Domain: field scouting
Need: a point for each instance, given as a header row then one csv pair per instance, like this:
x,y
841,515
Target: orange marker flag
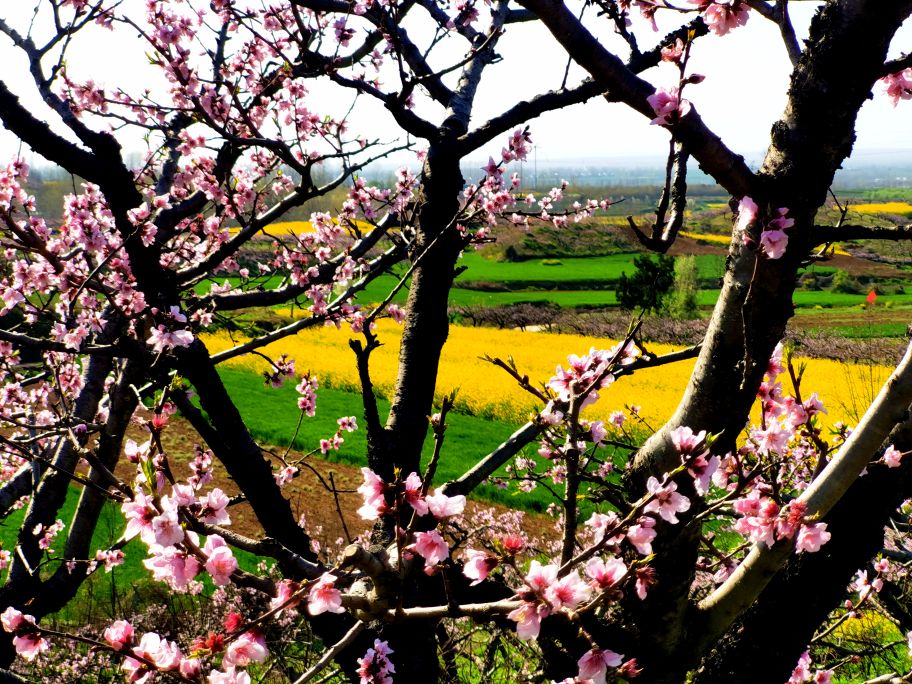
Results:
x,y
871,297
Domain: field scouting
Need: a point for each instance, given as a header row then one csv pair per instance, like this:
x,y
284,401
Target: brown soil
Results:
x,y
852,265
310,496
856,266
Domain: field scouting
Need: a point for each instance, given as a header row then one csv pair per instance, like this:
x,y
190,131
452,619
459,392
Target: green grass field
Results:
x,y
565,270
104,595
272,414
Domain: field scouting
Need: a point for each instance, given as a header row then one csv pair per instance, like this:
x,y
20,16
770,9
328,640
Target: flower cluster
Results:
x,y
376,667
898,86
26,638
773,238
722,16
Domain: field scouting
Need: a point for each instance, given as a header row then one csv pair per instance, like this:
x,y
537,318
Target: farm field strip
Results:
x,y
484,391
594,268
901,208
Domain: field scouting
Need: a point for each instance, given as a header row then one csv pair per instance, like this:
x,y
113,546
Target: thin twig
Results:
x,y
330,654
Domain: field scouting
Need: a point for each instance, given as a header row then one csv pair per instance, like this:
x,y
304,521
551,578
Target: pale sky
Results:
x,y
743,94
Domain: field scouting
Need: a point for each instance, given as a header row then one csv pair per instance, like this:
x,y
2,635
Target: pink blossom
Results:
x,y
892,457
774,368
30,645
668,106
773,243
431,546
413,495
685,441
666,501
172,566
285,598
161,339
540,577
285,475
190,667
139,514
721,16
324,597
249,647
477,565
747,213
348,423
167,528
229,676
307,402
214,508
813,405
119,634
673,53
594,664
372,490
568,591
220,561
376,667
702,470
597,431
812,537
165,654
11,619
513,544
396,313
27,641
773,439
641,535
898,86
802,671
442,506
528,619
605,574
602,523
111,559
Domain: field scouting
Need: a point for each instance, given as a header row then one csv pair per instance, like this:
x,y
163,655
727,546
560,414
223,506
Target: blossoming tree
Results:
x,y
710,552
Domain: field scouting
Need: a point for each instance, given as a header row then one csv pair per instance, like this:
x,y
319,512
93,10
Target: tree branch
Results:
x,y
715,158
525,110
742,587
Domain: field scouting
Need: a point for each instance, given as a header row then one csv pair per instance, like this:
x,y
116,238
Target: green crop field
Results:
x,y
272,414
597,268
103,594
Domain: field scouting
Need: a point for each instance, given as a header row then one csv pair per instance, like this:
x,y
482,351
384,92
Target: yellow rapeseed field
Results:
x,y
296,227
725,240
883,208
485,390
708,237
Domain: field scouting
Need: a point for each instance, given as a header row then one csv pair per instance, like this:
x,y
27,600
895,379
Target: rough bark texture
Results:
x,y
61,587
426,325
843,58
810,585
23,584
242,457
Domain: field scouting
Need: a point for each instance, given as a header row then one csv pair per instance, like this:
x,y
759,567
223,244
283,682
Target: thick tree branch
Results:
x,y
896,65
38,135
229,439
490,463
715,158
743,586
526,110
